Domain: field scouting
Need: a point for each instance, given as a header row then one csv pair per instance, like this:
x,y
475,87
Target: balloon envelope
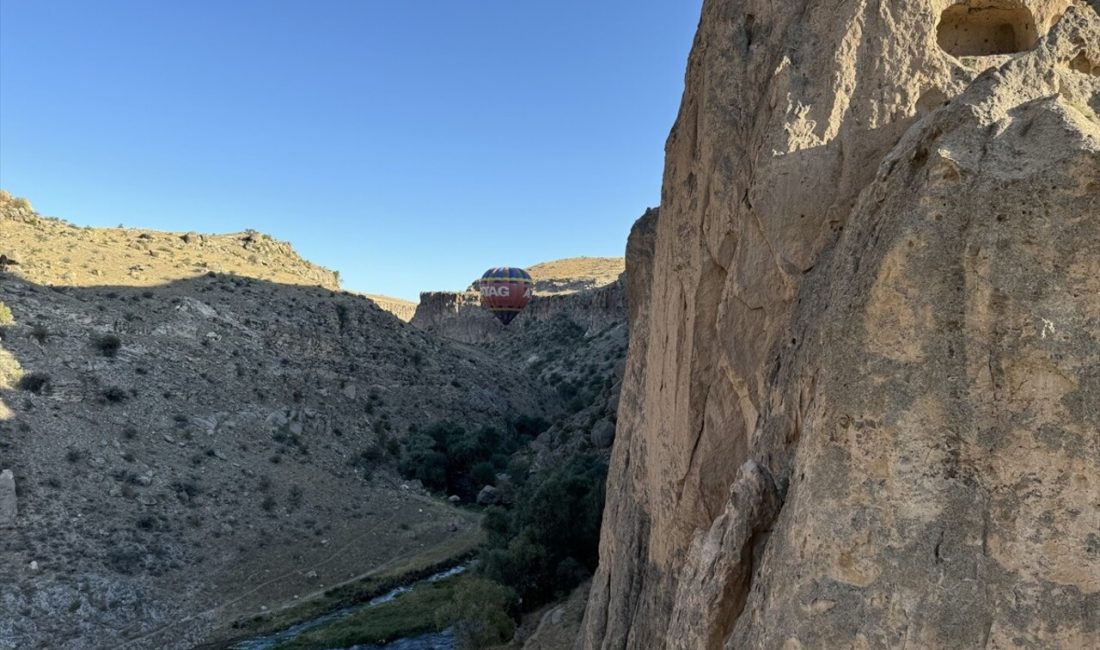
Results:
x,y
505,291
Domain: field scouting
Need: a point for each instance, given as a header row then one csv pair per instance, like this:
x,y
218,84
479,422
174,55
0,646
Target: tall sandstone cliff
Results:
x,y
860,406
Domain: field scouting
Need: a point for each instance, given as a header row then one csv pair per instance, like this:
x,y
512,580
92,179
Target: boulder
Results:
x,y
603,434
488,496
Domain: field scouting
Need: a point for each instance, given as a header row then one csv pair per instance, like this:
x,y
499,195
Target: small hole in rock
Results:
x,y
1081,63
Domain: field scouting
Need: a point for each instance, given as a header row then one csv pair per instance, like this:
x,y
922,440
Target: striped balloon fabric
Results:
x,y
505,291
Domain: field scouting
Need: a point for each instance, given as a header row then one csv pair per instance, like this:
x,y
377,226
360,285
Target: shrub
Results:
x,y
35,382
482,610
187,490
107,344
113,395
40,333
295,497
126,560
6,317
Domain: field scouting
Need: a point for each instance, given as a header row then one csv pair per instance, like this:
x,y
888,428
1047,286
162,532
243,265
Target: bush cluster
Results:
x,y
447,458
35,382
107,344
549,542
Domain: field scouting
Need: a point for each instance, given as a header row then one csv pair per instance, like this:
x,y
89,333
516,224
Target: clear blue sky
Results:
x,y
409,144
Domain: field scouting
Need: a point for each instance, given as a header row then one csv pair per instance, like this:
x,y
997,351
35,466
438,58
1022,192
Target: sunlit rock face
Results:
x,y
860,404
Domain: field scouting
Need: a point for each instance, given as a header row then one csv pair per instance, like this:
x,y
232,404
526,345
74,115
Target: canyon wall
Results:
x,y
860,402
583,290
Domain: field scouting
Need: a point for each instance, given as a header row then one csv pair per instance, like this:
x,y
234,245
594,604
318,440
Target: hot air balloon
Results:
x,y
505,291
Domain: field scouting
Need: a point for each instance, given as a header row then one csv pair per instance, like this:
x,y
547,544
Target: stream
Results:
x,y
437,641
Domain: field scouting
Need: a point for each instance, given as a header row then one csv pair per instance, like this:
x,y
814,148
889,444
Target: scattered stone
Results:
x,y
454,498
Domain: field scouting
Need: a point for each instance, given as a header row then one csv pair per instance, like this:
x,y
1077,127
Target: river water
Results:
x,y
438,641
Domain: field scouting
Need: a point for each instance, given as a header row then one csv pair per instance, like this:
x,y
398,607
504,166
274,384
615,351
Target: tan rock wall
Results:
x,y
758,320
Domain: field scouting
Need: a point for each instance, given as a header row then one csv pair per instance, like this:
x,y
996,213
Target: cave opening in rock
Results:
x,y
988,28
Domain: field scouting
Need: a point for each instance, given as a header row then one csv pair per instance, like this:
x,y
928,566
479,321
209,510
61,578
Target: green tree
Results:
x,y
481,612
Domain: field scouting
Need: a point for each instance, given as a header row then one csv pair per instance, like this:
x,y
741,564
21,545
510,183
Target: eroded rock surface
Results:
x,y
877,277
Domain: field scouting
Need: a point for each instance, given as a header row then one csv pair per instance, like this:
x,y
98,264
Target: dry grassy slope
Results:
x,y
211,465
575,274
54,252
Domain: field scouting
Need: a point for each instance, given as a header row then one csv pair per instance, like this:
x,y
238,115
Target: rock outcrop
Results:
x,y
455,314
589,291
860,402
403,309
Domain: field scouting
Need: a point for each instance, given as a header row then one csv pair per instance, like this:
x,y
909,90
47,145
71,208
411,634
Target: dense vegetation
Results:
x,y
448,459
547,543
543,540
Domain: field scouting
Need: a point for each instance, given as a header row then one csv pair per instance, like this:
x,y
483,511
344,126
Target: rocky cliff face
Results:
x,y
460,316
455,314
860,403
589,291
403,309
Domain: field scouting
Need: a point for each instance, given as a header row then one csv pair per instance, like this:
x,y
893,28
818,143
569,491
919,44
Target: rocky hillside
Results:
x,y
50,251
188,454
575,274
860,405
